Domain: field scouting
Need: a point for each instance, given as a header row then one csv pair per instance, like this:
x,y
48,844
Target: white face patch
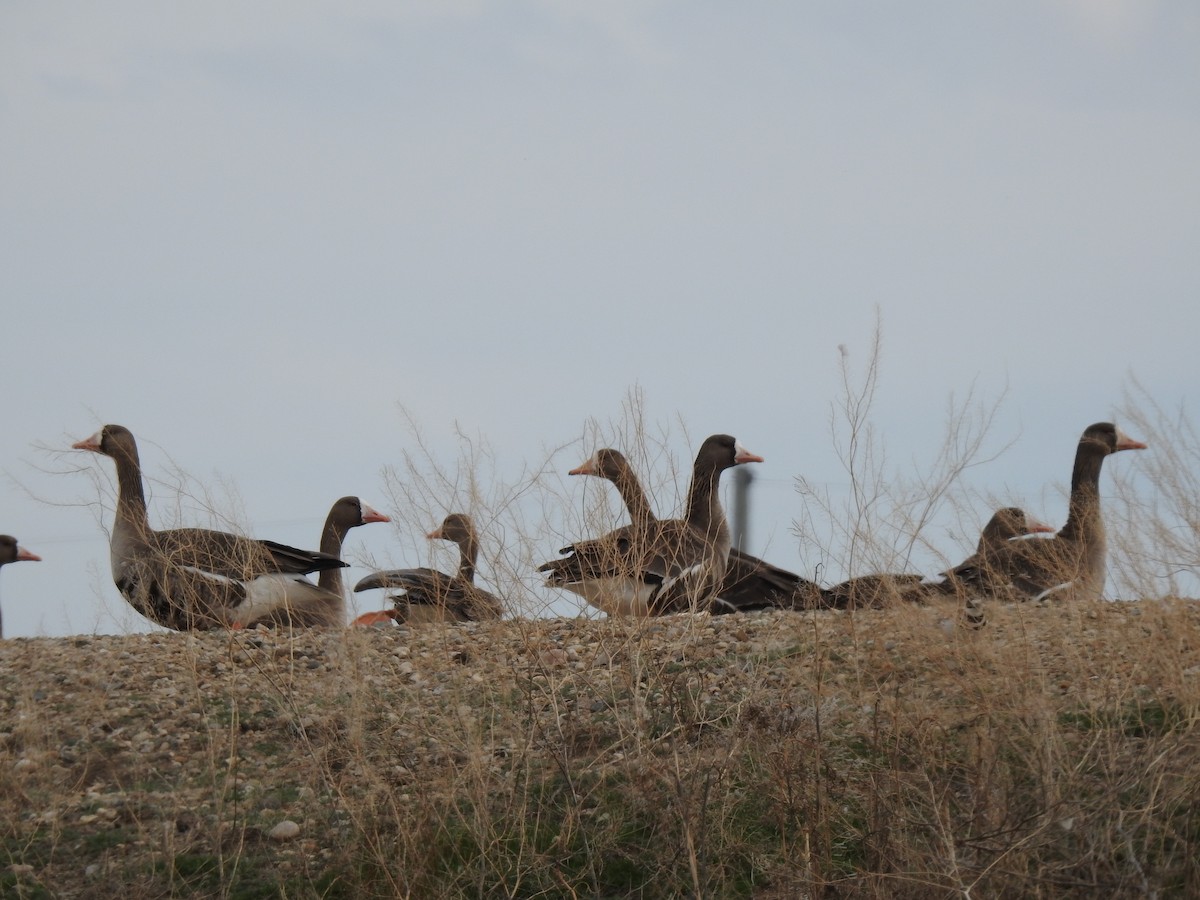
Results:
x,y
742,455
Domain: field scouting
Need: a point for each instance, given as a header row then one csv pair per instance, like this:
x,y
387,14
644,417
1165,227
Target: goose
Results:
x,y
1005,524
1072,562
328,607
196,578
875,591
10,552
749,583
668,565
430,595
883,590
975,574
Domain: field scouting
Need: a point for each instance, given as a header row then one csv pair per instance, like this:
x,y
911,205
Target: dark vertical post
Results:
x,y
740,526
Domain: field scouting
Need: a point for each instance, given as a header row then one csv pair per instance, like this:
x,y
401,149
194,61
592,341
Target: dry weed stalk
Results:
x,y
881,519
424,488
1155,521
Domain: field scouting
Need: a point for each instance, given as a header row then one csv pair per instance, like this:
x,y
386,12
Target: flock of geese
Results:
x,y
197,578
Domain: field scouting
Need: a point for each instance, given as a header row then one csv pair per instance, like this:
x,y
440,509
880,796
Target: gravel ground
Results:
x,y
120,754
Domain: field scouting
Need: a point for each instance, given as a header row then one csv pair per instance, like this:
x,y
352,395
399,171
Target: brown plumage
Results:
x,y
874,591
346,513
430,595
1005,524
196,578
976,574
749,583
1072,563
662,566
881,590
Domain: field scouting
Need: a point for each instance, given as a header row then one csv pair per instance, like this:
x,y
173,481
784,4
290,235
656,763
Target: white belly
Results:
x,y
616,596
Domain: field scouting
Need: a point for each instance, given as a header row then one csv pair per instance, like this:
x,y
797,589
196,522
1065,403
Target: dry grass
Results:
x,y
878,519
775,755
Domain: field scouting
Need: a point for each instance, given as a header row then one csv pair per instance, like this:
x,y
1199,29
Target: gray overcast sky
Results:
x,y
267,237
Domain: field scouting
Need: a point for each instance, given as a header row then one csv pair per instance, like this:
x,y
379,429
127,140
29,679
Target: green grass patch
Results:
x,y
1136,720
22,888
99,841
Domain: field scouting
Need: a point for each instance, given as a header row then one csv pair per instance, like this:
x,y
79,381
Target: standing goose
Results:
x,y
612,465
671,565
328,607
10,552
429,595
195,578
749,583
1073,561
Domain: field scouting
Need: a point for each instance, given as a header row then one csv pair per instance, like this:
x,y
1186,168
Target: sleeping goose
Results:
x,y
749,583
10,552
1072,562
429,595
328,607
670,565
195,578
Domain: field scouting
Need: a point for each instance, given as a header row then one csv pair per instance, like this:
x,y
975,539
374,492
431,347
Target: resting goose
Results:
x,y
883,590
976,575
429,595
10,552
1005,524
1072,562
749,583
195,578
669,566
875,591
327,604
